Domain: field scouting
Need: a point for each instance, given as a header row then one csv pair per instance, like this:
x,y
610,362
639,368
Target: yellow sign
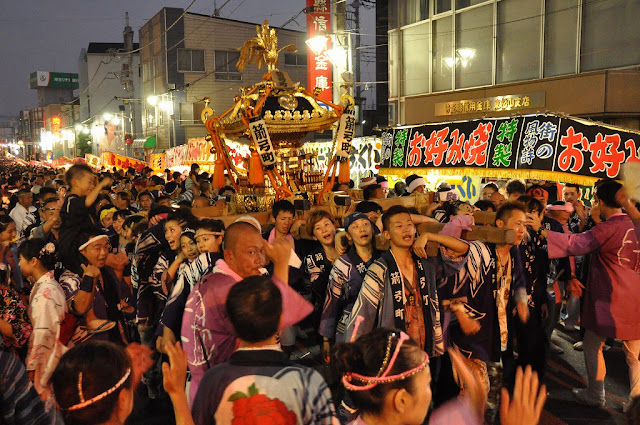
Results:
x,y
157,161
92,160
491,104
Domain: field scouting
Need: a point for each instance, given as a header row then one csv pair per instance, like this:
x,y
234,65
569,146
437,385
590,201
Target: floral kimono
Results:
x,y
263,386
47,309
14,311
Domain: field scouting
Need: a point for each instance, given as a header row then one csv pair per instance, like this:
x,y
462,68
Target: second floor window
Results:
x,y
295,59
226,65
190,60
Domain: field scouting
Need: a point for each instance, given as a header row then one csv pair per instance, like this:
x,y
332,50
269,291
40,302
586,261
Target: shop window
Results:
x,y
610,34
414,11
474,47
560,37
443,59
415,60
518,55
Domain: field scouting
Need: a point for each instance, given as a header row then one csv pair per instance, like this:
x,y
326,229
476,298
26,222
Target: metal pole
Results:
x,y
173,120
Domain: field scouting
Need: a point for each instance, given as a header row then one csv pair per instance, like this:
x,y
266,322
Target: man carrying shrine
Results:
x,y
494,283
399,289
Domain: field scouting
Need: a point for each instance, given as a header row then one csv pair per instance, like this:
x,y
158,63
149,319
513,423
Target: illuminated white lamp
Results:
x,y
317,44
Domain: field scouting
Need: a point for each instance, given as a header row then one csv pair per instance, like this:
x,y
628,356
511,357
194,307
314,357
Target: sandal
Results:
x,y
99,326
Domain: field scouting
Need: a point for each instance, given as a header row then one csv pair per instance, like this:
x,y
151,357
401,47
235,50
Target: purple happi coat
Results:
x,y
207,334
612,293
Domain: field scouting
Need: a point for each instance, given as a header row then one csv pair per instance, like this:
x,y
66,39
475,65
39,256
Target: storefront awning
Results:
x,y
150,143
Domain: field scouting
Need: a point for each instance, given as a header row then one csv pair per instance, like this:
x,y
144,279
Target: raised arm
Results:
x,y
93,195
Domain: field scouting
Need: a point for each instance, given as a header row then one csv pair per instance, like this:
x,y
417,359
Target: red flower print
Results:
x,y
254,409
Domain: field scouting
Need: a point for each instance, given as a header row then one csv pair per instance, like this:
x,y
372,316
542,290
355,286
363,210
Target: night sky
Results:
x,y
45,35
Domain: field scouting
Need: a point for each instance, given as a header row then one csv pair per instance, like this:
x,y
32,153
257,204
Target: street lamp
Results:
x,y
166,106
337,56
152,100
317,44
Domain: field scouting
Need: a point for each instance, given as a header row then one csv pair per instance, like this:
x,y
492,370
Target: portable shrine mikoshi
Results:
x,y
274,115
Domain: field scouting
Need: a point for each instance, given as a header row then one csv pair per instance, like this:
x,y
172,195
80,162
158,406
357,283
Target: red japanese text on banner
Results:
x,y
319,70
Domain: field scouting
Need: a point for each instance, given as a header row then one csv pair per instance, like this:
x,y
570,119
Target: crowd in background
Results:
x,y
118,295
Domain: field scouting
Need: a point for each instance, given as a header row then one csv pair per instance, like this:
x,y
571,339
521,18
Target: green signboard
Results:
x,y
53,79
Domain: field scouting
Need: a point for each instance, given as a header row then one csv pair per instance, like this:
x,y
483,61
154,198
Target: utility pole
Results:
x,y
127,79
357,79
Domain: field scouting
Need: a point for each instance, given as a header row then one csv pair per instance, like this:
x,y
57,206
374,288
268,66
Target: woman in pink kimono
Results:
x,y
47,309
612,293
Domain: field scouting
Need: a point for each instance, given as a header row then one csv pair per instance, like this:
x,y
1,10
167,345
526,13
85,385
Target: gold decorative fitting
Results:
x,y
262,49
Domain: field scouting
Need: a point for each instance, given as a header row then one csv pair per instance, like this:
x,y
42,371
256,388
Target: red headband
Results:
x,y
538,193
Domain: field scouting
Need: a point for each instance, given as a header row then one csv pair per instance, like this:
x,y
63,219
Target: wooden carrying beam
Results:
x,y
478,233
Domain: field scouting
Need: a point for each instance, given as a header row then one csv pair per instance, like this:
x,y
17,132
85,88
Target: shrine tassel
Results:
x,y
218,174
256,173
344,175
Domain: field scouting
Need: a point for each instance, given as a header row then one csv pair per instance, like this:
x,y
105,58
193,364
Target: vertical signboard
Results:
x,y
319,70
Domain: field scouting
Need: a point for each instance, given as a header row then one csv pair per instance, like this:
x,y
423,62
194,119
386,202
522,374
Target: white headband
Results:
x,y
92,240
250,220
414,184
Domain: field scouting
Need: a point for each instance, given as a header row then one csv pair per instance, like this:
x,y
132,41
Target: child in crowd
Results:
x,y
208,237
76,213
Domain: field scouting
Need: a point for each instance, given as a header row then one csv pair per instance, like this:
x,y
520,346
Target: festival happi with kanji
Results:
x,y
252,251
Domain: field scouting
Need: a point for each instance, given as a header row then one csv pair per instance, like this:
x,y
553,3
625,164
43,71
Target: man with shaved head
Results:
x,y
208,336
201,201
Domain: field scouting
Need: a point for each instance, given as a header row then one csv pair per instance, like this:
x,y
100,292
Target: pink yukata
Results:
x,y
611,294
207,334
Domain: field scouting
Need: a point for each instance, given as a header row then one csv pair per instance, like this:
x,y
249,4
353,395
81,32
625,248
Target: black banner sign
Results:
x,y
533,142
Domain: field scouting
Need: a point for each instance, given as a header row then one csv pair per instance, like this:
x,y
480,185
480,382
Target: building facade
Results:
x,y
186,57
104,99
465,59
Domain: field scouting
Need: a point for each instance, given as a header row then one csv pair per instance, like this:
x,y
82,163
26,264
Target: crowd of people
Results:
x,y
118,295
